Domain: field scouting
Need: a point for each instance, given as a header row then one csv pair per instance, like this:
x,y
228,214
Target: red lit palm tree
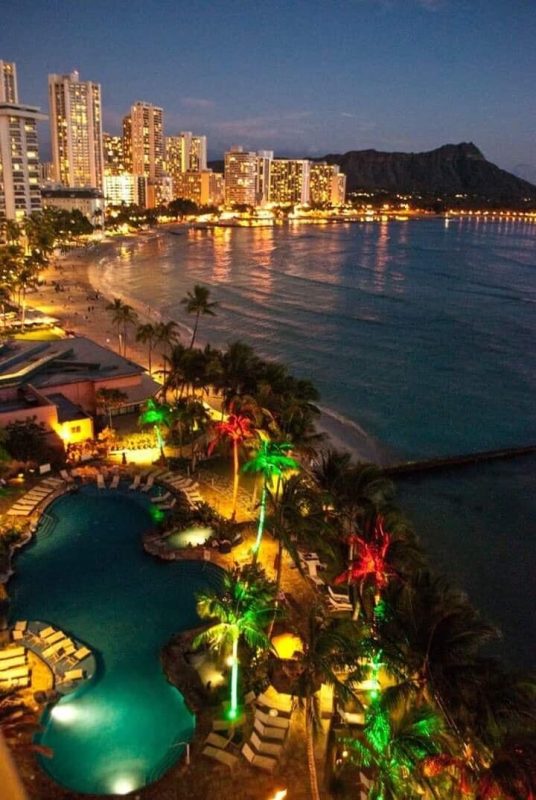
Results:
x,y
236,429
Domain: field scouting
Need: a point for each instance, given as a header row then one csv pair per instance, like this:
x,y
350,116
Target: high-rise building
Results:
x,y
19,155
76,130
185,153
328,185
114,159
198,153
204,188
240,177
125,189
289,181
144,146
264,163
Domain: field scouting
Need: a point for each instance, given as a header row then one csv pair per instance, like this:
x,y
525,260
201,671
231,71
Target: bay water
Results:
x,y
420,337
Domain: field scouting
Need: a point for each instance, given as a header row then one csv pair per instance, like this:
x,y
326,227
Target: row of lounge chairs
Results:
x,y
60,652
27,504
14,669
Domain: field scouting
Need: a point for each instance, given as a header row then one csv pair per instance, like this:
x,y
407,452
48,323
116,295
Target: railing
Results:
x,y
170,758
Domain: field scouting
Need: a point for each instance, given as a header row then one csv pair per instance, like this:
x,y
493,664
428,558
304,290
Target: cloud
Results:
x,y
198,103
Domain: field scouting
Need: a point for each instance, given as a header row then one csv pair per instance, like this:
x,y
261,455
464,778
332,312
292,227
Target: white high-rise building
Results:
x,y
76,130
19,155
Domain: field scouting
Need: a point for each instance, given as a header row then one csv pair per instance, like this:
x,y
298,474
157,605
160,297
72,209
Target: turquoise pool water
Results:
x,y
87,573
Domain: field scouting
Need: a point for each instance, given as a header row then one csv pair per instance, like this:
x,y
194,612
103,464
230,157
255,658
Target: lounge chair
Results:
x,y
17,635
54,637
74,675
149,484
168,506
215,740
338,597
265,748
15,672
161,498
21,625
65,475
115,482
135,483
351,717
81,653
16,683
100,481
12,663
275,722
269,733
220,755
46,633
11,652
262,762
282,703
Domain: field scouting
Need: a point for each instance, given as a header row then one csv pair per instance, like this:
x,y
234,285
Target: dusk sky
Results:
x,y
301,77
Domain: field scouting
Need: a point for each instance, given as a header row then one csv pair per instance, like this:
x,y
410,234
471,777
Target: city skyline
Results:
x,y
303,79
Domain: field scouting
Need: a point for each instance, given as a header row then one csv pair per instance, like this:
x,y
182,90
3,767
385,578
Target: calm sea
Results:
x,y
420,337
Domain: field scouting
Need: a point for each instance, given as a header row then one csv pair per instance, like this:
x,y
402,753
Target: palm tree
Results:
x,y
108,399
271,460
395,747
329,646
242,610
237,429
147,334
123,315
159,416
167,335
197,302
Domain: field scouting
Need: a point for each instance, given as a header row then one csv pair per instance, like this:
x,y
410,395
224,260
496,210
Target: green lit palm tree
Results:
x,y
242,609
123,315
271,461
396,748
197,302
159,416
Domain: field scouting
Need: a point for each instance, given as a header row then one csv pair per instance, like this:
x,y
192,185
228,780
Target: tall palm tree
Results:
x,y
242,610
395,747
271,460
147,334
237,429
197,302
159,416
330,645
108,400
123,315
167,336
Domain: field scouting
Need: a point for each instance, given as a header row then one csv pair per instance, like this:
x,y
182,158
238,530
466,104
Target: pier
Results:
x,y
449,462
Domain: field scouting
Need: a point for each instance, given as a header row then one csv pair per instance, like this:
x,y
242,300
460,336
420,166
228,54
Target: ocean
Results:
x,y
420,337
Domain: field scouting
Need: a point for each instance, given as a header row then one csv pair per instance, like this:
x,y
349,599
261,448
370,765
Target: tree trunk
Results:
x,y
260,527
195,331
234,680
311,763
235,478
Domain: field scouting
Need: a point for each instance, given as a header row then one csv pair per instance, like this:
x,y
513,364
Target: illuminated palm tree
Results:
x,y
237,429
197,303
396,747
160,416
271,461
123,315
243,609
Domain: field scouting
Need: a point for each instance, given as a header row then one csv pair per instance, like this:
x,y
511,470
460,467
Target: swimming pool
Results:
x,y
86,572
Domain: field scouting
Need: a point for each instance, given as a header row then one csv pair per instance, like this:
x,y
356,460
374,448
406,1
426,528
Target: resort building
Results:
x,y
57,383
184,153
125,189
76,130
19,155
89,201
290,181
240,177
143,142
114,155
328,184
204,188
264,164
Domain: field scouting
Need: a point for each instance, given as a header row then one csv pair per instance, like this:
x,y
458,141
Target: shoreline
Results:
x,y
81,308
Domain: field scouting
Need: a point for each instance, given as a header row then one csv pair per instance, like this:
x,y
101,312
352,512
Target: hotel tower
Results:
x,y
76,130
19,157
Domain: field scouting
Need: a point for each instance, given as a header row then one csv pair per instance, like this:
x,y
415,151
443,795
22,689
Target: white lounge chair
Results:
x,y
265,748
269,733
168,506
276,722
21,625
11,663
282,703
220,755
81,653
46,633
135,483
11,652
74,675
115,482
215,740
161,498
262,762
100,481
149,484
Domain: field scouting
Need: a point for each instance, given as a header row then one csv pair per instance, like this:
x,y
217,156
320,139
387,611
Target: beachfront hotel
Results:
x,y
240,176
327,184
19,154
143,142
76,130
289,181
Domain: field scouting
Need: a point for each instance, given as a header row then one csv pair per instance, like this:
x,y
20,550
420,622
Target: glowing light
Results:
x,y
64,713
229,661
123,786
279,795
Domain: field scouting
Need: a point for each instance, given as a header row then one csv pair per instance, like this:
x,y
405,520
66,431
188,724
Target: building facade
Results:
x,y
264,165
328,185
143,142
290,181
240,177
76,131
204,188
114,157
89,201
125,189
19,154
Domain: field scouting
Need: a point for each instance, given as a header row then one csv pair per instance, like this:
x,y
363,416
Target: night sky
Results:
x,y
301,77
